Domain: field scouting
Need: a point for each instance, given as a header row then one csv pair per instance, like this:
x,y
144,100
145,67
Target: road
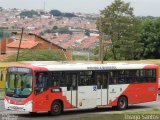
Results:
x,y
67,115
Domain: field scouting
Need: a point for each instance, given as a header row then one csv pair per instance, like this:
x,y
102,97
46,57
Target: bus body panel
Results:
x,y
114,92
87,96
138,93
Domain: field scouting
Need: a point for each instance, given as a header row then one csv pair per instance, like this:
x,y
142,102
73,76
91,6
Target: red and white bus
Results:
x,y
59,87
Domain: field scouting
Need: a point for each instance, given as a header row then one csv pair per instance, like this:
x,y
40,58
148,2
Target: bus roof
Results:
x,y
81,66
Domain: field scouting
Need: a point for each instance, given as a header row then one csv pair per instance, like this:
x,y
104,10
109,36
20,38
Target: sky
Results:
x,y
141,7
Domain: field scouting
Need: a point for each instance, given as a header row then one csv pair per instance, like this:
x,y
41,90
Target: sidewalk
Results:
x,y
1,94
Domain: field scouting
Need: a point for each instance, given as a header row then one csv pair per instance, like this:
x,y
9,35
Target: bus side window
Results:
x,y
58,79
150,75
153,79
121,77
86,78
112,77
133,76
41,83
142,78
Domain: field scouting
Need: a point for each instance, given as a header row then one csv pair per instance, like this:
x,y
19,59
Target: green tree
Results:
x,y
1,9
87,32
54,28
38,55
69,15
29,14
150,36
119,23
63,30
56,13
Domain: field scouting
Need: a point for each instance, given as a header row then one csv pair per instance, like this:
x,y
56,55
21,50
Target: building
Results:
x,y
32,41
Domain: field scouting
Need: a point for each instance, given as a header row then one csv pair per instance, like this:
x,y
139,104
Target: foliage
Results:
x,y
148,17
55,29
69,15
1,9
85,57
56,13
150,36
80,57
38,55
59,13
29,14
95,50
87,32
63,30
119,23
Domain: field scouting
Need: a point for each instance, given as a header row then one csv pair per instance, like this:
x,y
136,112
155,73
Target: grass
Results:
x,y
138,115
1,94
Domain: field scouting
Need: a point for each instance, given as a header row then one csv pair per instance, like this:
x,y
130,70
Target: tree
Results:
x,y
54,28
1,9
69,15
56,13
63,30
119,23
150,36
87,32
29,14
59,13
38,55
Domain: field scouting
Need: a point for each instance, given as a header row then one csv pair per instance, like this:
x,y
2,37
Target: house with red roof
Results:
x,y
32,41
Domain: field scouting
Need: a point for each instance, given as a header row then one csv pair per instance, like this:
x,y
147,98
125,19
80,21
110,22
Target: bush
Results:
x,y
38,55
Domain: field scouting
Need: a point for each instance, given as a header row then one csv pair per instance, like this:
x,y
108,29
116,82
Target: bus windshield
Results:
x,y
19,82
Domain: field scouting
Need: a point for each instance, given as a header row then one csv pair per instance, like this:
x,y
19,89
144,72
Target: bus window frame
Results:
x,y
35,80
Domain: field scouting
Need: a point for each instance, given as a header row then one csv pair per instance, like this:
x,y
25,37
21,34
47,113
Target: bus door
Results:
x,y
102,88
72,88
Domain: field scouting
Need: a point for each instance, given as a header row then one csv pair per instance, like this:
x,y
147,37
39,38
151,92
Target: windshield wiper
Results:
x,y
15,95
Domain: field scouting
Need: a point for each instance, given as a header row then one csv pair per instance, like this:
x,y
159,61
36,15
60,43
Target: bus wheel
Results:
x,y
56,108
122,103
32,113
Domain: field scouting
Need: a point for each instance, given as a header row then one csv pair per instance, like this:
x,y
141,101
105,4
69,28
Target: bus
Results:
x,y
55,88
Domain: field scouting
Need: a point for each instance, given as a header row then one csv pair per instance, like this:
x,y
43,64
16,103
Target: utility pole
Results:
x,y
101,46
19,45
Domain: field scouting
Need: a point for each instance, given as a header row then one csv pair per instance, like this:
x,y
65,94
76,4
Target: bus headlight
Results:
x,y
29,102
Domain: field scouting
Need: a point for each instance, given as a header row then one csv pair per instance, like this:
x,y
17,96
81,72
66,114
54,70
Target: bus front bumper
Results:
x,y
26,107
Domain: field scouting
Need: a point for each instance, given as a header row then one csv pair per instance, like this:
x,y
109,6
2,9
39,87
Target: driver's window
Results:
x,y
41,83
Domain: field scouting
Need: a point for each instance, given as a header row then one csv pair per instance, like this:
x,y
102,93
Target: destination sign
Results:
x,y
23,70
102,68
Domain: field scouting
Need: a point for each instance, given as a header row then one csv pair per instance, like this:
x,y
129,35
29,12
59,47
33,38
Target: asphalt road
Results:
x,y
67,115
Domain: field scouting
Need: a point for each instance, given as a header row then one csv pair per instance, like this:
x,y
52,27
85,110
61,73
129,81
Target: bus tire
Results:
x,y
114,107
56,108
122,103
32,113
